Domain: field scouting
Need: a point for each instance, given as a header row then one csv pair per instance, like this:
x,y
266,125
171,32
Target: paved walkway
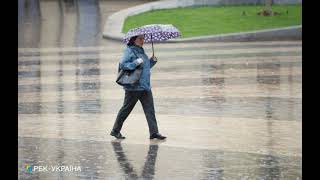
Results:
x,y
230,110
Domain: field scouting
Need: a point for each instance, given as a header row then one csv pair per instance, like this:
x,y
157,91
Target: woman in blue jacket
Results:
x,y
133,57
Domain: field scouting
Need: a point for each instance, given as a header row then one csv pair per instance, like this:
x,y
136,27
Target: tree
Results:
x,y
267,11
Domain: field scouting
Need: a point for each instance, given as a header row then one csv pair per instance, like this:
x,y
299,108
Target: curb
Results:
x,y
114,23
287,33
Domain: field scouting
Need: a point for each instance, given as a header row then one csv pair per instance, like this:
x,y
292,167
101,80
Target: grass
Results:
x,y
211,20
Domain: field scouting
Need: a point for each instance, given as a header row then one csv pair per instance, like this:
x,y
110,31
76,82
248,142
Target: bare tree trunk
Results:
x,y
268,5
267,10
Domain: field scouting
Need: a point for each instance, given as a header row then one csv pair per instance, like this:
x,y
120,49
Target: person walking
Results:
x,y
134,56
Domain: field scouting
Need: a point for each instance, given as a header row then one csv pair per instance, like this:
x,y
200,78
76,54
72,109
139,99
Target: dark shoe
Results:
x,y
117,135
158,136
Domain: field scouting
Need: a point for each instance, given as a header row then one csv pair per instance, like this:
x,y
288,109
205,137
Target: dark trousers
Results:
x,y
130,99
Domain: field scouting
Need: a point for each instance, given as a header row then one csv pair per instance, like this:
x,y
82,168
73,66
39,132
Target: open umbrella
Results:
x,y
153,33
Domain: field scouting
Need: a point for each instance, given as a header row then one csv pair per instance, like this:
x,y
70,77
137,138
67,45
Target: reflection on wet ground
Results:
x,y
64,23
219,82
93,69
230,110
242,107
118,160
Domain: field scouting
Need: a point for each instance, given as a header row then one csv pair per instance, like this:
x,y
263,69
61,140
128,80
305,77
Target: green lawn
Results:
x,y
210,20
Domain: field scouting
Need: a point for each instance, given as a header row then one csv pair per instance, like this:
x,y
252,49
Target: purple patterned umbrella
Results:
x,y
153,33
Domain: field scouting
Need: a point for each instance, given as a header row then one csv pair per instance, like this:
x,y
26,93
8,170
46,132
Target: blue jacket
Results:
x,y
128,62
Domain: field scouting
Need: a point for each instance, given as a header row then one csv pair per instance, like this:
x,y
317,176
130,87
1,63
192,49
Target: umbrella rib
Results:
x,y
152,46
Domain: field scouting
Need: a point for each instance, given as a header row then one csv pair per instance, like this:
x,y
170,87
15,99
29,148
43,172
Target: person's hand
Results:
x,y
139,61
154,58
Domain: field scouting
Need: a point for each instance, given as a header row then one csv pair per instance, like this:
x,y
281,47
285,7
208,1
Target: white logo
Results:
x,y
56,168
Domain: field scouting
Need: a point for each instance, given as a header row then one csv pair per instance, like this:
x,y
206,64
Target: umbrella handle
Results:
x,y
152,46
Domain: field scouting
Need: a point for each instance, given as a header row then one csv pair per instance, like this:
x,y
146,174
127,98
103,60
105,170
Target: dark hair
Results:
x,y
131,41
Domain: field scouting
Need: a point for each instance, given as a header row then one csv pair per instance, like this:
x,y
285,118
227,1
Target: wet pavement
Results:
x,y
230,110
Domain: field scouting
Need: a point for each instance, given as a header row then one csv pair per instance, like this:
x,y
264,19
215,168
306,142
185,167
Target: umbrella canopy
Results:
x,y
153,33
